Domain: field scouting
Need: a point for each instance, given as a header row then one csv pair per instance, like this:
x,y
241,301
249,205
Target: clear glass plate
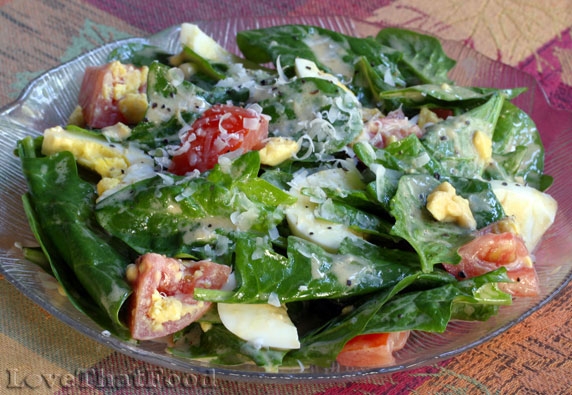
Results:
x,y
49,99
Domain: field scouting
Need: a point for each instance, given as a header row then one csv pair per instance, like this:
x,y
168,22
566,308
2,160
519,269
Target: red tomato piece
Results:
x,y
220,129
490,251
162,302
106,90
442,113
373,350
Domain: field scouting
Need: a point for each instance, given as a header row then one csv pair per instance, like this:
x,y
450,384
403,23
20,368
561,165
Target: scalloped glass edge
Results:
x,y
21,117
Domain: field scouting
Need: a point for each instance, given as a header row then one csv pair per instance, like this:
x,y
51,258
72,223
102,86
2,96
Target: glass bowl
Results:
x,y
49,99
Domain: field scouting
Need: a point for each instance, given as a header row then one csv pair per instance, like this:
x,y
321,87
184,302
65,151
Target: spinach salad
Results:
x,y
314,200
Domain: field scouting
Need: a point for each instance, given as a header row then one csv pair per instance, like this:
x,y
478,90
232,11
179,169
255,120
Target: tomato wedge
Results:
x,y
372,350
112,93
162,302
221,129
491,251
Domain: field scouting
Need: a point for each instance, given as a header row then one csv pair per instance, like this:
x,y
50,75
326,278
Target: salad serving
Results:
x,y
314,210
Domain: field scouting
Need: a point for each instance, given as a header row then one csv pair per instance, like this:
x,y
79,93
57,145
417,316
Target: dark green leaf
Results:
x,y
138,54
423,60
451,141
438,242
63,214
310,272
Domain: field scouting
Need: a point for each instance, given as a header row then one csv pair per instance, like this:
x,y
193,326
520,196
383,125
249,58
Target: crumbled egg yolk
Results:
x,y
133,107
446,206
76,117
168,308
125,92
427,116
98,156
483,144
277,150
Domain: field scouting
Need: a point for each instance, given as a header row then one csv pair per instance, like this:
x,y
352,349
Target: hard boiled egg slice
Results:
x,y
194,38
533,210
263,325
301,218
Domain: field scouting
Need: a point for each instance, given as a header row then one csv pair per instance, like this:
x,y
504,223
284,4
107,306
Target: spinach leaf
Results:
x,y
331,51
322,346
138,54
310,272
446,96
315,108
423,60
431,310
203,65
368,85
171,215
517,149
150,135
60,208
406,156
438,242
451,141
222,347
357,198
167,96
354,218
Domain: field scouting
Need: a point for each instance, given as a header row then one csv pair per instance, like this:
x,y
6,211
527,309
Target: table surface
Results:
x,y
40,353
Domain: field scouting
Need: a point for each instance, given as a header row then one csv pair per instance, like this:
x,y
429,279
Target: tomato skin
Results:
x,y
488,252
171,278
372,350
99,103
443,113
207,142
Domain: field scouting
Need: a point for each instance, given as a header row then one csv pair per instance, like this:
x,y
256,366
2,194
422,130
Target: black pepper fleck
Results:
x,y
518,279
311,233
172,94
308,68
165,141
443,138
349,282
437,176
462,275
504,184
467,122
162,106
154,105
210,225
329,227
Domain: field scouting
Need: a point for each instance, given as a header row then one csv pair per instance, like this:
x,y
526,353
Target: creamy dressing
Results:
x,y
204,232
330,53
